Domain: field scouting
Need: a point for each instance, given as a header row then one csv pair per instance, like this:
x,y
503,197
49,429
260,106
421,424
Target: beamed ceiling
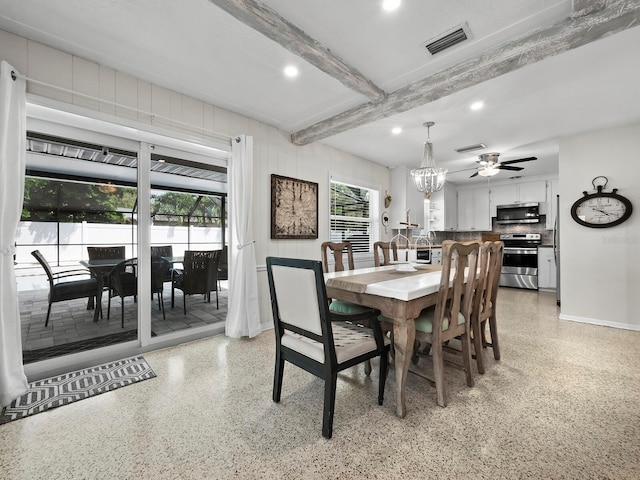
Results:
x,y
544,69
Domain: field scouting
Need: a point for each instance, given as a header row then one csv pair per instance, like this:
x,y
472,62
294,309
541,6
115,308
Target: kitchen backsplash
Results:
x,y
547,235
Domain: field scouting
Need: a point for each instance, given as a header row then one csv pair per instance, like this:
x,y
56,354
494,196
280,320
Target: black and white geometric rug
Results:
x,y
64,389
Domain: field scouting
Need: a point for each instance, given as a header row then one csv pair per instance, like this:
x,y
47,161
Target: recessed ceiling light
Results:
x,y
396,130
291,71
390,5
477,105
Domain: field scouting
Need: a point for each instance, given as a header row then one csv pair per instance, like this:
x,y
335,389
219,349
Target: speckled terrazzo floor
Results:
x,y
563,403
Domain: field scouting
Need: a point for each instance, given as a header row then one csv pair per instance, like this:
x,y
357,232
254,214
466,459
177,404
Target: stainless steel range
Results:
x,y
520,260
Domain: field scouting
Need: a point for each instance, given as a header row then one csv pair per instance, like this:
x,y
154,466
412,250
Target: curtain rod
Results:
x,y
15,75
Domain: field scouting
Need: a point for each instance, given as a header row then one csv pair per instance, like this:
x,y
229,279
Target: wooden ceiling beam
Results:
x,y
267,21
591,20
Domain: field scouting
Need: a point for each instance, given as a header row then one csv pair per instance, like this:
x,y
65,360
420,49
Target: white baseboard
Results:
x,y
596,321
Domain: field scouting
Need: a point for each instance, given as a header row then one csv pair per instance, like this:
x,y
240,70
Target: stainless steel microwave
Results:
x,y
518,213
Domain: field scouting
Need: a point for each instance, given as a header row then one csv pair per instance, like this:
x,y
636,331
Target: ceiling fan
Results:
x,y
490,166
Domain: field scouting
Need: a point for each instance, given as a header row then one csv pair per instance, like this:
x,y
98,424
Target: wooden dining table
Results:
x,y
400,295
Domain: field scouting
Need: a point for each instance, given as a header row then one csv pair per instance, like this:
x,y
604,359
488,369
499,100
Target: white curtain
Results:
x,y
243,318
13,381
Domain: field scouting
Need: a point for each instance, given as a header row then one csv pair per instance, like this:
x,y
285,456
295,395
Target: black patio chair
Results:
x,y
165,251
124,282
106,253
223,267
159,266
67,290
200,275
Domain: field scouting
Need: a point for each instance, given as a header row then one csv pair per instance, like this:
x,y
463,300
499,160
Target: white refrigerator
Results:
x,y
556,248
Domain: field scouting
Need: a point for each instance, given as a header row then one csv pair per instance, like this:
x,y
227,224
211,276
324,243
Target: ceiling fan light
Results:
x,y
488,172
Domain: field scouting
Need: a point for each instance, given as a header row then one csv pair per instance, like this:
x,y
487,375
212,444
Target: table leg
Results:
x,y
98,306
404,335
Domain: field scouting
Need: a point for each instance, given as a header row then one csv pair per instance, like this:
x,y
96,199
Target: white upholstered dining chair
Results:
x,y
308,336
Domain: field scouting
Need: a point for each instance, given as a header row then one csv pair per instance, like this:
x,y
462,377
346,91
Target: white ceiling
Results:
x,y
194,47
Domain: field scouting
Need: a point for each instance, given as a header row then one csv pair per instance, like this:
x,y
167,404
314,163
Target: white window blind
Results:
x,y
354,214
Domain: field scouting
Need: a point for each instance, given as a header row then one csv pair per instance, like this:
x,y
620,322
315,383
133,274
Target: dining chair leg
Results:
x,y
477,344
172,295
122,311
466,358
184,302
383,376
329,404
277,377
438,373
493,327
109,306
217,301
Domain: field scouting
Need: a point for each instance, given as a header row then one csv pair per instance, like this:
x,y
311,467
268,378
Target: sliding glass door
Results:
x,y
124,215
188,231
79,220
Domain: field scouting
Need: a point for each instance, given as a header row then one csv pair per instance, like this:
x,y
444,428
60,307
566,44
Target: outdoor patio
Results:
x,y
71,327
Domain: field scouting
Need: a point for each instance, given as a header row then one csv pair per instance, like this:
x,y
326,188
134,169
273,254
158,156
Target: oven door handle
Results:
x,y
520,251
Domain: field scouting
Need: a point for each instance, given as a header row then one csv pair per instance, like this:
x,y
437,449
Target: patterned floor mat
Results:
x,y
64,389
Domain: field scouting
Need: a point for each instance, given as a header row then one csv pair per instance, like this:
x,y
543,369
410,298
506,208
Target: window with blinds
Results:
x,y
354,213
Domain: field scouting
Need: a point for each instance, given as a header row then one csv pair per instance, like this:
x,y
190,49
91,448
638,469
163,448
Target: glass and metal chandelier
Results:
x,y
428,178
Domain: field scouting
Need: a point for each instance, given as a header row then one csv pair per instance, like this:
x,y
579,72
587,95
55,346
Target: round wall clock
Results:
x,y
385,219
601,209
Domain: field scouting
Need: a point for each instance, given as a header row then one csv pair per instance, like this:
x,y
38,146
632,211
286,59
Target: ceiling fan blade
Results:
x,y
507,167
463,170
528,159
474,175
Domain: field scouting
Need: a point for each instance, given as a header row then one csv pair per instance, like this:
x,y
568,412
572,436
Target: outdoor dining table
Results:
x,y
98,269
173,260
400,295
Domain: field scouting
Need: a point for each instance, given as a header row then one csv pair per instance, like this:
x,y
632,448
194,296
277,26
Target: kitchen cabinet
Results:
x,y
473,209
546,269
405,197
552,204
532,192
524,192
443,209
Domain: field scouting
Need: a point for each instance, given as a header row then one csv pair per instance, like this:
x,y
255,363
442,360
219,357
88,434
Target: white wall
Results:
x,y
600,267
273,152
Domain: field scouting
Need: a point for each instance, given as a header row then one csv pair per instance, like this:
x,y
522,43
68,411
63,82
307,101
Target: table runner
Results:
x,y
358,283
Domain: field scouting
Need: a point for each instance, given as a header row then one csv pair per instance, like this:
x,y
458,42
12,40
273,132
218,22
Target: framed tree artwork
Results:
x,y
294,208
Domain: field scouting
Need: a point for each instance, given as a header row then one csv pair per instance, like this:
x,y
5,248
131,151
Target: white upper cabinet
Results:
x,y
503,195
405,197
444,209
532,192
524,192
473,209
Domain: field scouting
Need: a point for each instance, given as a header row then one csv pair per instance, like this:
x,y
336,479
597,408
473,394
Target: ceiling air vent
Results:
x,y
471,148
449,39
